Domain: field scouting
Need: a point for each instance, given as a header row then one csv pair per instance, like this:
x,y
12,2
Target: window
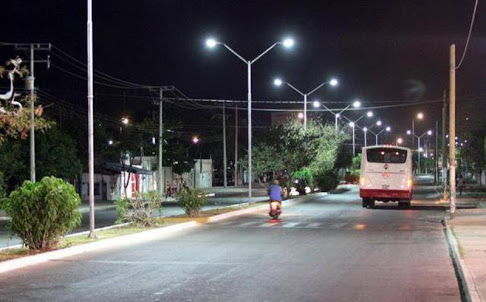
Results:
x,y
386,155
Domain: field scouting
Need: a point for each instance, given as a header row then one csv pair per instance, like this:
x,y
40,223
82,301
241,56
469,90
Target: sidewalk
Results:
x,y
469,230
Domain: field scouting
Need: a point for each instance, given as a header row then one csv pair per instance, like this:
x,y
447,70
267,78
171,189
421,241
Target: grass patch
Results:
x,y
66,242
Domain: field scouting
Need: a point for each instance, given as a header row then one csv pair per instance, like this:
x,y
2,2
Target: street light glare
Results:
x,y
288,43
351,124
378,123
316,104
365,129
125,120
369,114
211,43
409,132
388,129
399,141
420,115
429,132
357,104
300,115
195,139
333,82
277,82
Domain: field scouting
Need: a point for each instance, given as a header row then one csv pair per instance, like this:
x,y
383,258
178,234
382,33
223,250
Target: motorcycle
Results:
x,y
275,209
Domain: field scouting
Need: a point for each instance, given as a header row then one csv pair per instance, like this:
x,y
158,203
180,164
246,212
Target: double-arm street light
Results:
x,y
355,104
279,82
377,134
419,137
353,125
287,43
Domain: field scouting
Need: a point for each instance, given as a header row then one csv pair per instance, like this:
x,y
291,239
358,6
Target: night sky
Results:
x,y
383,52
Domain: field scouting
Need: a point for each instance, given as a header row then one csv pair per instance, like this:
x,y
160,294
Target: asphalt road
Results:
x,y
326,249
106,214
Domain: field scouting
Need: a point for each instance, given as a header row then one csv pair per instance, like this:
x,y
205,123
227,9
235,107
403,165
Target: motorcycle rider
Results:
x,y
275,191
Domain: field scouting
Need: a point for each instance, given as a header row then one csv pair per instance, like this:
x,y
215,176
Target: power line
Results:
x,y
469,34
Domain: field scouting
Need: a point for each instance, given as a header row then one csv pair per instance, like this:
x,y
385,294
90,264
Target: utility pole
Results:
x,y
225,170
160,168
436,153
90,121
236,145
32,47
444,146
452,129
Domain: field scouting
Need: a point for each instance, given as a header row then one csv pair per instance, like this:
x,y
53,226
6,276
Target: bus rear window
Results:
x,y
386,155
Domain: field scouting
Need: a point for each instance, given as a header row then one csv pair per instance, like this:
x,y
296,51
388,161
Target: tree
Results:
x,y
57,155
472,153
15,110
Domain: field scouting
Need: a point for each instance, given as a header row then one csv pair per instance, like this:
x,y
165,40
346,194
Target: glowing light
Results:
x,y
369,114
316,104
356,104
365,129
351,124
277,82
195,139
211,43
300,115
409,132
379,123
110,142
429,132
420,115
288,42
388,129
333,82
360,226
125,120
399,140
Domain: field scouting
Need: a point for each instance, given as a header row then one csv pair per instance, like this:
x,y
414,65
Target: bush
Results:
x,y
305,178
327,180
42,212
192,201
140,209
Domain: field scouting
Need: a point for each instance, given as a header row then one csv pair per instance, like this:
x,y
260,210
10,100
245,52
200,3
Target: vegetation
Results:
x,y
41,213
192,201
139,210
292,153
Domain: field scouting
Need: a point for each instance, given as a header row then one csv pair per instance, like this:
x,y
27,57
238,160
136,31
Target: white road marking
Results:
x,y
290,224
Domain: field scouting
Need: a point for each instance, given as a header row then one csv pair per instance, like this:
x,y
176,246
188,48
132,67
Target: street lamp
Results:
x,y
212,43
353,123
365,130
300,115
125,120
355,104
195,140
387,129
399,141
419,116
429,133
279,82
316,104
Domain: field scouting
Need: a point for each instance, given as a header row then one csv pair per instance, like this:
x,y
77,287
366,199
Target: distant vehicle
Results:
x,y
386,175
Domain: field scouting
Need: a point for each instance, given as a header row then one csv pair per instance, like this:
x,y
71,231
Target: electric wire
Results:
x,y
469,34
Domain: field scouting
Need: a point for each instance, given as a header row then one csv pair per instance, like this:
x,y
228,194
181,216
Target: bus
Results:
x,y
386,175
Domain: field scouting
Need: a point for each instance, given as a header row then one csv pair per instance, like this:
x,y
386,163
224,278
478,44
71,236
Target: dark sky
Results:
x,y
381,51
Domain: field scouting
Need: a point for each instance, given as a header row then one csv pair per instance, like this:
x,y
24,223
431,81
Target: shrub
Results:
x,y
42,212
140,209
305,178
192,201
327,180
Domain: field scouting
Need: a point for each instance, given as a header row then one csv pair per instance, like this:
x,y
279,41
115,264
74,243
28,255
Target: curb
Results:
x,y
464,276
120,241
145,236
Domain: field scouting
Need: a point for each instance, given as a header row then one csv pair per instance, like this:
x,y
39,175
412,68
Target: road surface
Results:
x,y
326,249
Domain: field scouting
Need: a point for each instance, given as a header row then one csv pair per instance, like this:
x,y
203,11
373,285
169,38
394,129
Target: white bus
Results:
x,y
386,175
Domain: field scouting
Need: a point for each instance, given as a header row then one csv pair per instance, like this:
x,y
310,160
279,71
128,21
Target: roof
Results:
x,y
118,167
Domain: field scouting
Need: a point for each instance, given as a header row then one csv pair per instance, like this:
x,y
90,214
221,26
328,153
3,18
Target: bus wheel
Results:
x,y
364,202
371,203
